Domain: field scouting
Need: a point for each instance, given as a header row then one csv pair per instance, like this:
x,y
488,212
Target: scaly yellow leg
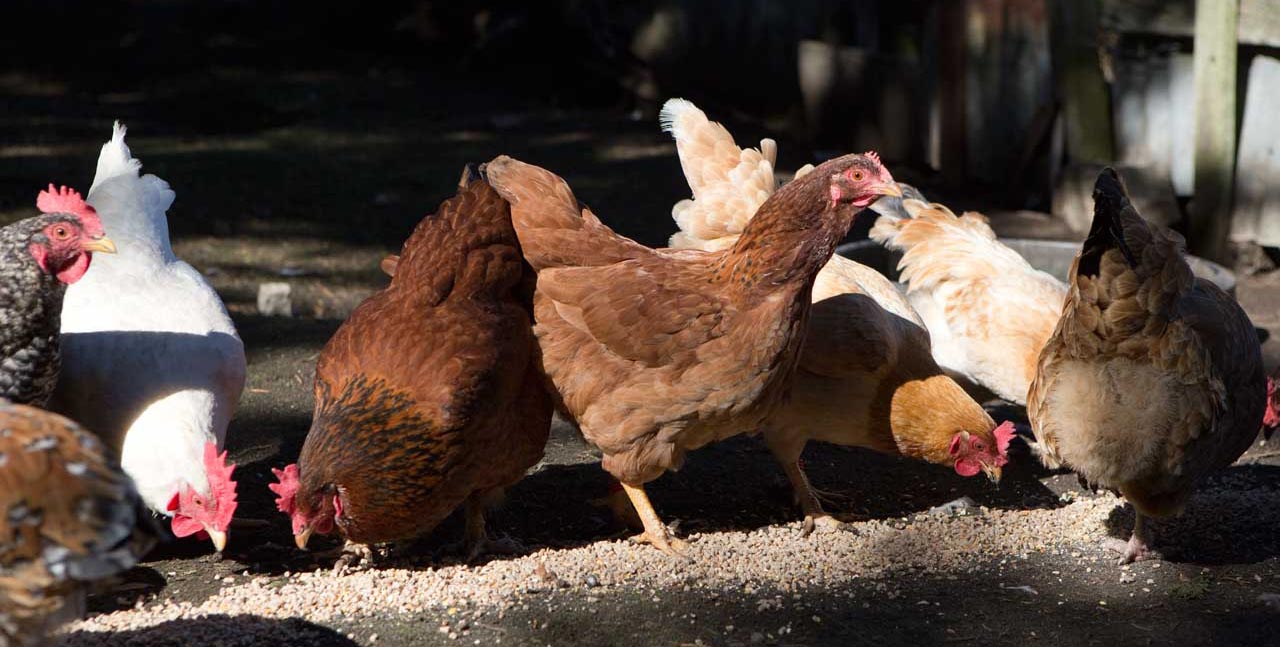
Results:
x,y
655,532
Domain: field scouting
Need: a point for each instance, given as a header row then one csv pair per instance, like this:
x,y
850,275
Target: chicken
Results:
x,y
866,377
729,185
72,517
1152,378
151,360
988,311
1271,415
429,395
41,256
655,353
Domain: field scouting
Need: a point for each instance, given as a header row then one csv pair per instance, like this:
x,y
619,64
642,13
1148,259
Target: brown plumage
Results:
x,y
428,395
1153,378
866,376
658,352
68,517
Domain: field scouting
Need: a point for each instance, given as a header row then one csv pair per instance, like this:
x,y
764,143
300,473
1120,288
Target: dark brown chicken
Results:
x,y
658,352
428,396
1153,378
70,517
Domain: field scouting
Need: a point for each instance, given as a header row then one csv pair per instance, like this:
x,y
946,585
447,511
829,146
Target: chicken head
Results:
x,y
975,454
308,515
863,182
207,515
64,247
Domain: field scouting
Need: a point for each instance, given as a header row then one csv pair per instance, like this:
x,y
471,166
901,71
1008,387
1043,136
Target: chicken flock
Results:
x,y
121,368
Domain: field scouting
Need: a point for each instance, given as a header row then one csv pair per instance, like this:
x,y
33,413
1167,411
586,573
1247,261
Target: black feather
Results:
x,y
1110,199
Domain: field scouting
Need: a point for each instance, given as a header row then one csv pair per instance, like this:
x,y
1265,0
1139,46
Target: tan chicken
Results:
x,y
71,517
866,376
655,353
988,311
1153,378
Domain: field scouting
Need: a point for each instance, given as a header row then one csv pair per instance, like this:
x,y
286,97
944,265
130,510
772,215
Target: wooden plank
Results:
x,y
1259,22
1080,86
1256,216
1215,83
950,104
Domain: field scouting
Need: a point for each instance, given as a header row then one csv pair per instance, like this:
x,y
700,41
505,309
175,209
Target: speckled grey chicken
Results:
x,y
71,517
39,257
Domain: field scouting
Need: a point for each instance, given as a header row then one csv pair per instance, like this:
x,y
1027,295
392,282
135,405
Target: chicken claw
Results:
x,y
823,523
1138,548
655,532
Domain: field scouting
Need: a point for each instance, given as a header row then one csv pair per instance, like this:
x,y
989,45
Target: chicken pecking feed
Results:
x,y
866,377
428,396
658,352
151,360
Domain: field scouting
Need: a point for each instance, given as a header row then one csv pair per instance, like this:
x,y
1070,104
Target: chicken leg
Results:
x,y
788,456
655,532
1138,548
476,539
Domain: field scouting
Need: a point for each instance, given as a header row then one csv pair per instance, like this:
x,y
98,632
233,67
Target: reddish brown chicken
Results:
x,y
71,517
658,352
428,396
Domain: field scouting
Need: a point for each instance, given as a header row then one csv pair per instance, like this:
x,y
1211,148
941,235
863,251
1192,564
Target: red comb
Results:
x,y
873,156
221,486
67,200
1004,435
286,487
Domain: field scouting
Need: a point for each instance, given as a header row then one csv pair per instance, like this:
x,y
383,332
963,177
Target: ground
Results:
x,y
310,176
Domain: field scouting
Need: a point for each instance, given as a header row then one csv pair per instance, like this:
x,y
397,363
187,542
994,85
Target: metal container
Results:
x,y
1052,256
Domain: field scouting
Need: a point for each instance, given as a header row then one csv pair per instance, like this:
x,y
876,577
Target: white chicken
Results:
x,y
151,360
989,312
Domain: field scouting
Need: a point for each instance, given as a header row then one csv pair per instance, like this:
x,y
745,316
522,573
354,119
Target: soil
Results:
x,y
310,176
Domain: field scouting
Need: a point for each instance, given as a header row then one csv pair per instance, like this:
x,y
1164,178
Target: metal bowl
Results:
x,y
1052,256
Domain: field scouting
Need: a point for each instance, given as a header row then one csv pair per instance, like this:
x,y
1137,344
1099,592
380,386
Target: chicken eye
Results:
x,y
979,445
60,232
858,176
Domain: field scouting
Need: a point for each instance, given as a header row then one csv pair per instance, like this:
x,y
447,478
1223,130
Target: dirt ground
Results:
x,y
309,177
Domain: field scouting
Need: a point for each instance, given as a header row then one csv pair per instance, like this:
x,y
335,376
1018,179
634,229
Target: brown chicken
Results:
x,y
654,353
428,396
71,517
866,375
1153,378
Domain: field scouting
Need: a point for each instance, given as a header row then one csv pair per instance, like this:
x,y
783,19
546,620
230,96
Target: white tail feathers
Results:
x,y
728,183
132,206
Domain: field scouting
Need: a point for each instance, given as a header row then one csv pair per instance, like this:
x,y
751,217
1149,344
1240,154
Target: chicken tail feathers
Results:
x,y
555,230
1110,208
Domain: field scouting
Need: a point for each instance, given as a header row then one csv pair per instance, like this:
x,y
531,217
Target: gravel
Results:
x,y
773,558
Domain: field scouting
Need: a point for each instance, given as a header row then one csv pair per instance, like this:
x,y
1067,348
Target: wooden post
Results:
x,y
1215,117
952,42
1086,105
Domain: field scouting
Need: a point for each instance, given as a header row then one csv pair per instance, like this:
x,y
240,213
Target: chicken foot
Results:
x,y
1138,548
655,532
476,540
815,517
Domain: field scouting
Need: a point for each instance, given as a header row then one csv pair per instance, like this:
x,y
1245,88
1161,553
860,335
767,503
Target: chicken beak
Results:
x,y
218,538
993,473
100,244
301,538
890,189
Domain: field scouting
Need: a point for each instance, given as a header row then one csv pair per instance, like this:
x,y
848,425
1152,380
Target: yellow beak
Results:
x,y
102,244
219,539
890,189
301,538
993,473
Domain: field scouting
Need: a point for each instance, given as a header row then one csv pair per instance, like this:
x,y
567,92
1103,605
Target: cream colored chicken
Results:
x,y
866,377
988,311
1152,378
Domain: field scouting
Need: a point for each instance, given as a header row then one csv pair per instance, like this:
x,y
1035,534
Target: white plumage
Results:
x,y
151,360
